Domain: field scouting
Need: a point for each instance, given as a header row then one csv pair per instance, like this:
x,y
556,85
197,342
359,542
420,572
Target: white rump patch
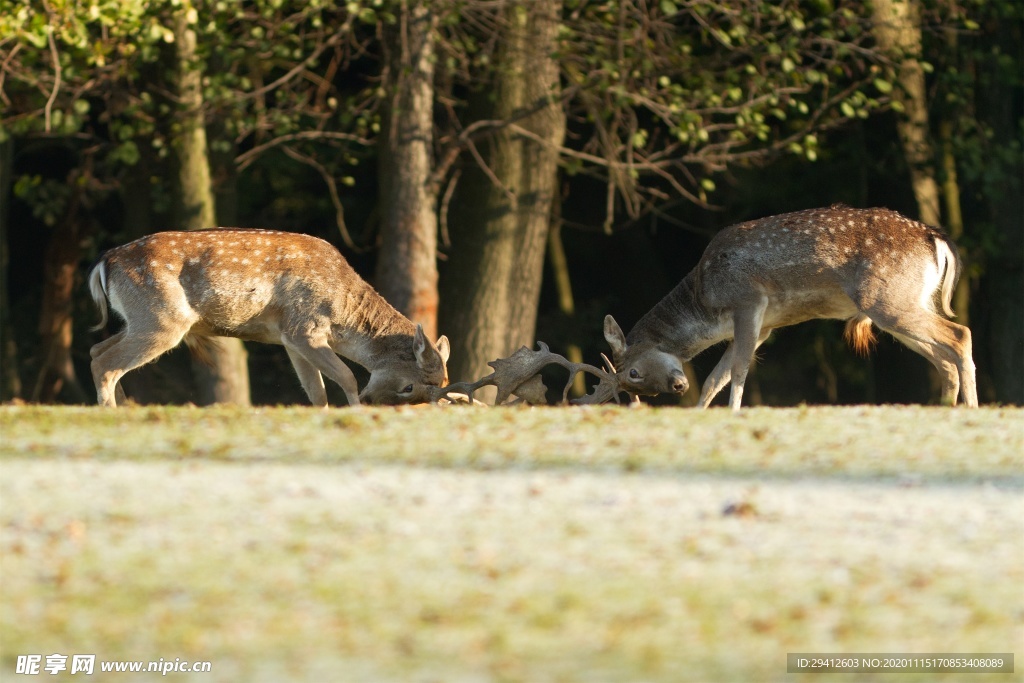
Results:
x,y
931,278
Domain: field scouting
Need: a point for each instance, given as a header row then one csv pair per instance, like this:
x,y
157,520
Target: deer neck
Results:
x,y
680,324
373,332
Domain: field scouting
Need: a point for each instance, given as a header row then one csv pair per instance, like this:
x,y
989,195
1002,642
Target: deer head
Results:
x,y
644,369
403,380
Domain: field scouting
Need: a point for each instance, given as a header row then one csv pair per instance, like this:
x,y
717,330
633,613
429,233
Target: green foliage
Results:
x,y
48,198
973,72
713,84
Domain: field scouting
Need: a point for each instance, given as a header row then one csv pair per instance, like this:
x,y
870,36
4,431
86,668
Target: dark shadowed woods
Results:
x,y
436,144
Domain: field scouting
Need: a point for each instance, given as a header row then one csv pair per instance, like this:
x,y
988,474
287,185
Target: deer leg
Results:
x,y
746,331
722,373
97,350
947,341
323,358
311,379
126,351
947,371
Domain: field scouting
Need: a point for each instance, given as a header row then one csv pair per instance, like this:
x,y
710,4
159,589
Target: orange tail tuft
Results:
x,y
859,335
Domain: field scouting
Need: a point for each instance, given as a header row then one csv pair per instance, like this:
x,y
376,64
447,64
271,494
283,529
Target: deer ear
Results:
x,y
444,348
427,357
613,335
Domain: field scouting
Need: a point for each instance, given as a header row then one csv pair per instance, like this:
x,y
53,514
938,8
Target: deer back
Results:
x,y
817,263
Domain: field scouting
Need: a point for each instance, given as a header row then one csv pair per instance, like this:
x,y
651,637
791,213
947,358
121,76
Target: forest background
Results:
x,y
504,171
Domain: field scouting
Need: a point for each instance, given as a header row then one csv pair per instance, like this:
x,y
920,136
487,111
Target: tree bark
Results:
x,y
227,379
494,274
897,28
407,263
10,381
60,265
1001,340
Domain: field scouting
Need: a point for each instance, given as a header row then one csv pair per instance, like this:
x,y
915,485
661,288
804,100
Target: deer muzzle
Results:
x,y
677,382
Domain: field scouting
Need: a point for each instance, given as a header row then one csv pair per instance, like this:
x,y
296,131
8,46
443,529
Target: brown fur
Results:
x,y
259,285
865,266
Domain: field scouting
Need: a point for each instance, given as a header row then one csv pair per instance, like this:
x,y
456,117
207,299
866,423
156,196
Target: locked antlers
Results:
x,y
519,375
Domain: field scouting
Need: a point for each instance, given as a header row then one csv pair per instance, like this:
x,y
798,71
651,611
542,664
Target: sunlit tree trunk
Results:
x,y
897,28
227,380
502,213
407,265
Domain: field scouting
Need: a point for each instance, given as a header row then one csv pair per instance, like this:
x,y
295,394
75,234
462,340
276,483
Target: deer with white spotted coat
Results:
x,y
266,286
861,265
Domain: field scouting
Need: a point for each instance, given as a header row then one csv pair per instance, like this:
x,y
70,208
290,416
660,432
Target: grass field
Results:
x,y
461,544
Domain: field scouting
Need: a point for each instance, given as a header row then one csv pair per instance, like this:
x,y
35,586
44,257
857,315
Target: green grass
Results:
x,y
463,544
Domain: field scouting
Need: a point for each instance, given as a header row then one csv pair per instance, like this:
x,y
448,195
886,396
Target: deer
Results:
x,y
865,266
267,286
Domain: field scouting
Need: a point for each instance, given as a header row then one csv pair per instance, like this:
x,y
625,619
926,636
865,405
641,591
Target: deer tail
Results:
x,y
859,335
950,265
98,289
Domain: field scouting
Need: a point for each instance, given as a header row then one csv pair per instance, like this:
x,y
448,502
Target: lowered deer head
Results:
x,y
265,286
861,265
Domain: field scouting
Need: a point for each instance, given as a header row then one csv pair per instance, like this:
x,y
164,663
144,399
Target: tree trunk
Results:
x,y
407,263
227,380
495,269
10,381
60,265
955,221
1002,339
951,195
897,28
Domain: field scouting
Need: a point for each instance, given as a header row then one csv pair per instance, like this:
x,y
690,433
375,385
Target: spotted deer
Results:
x,y
861,265
266,286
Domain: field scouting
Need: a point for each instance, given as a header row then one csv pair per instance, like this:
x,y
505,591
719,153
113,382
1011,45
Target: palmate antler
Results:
x,y
519,375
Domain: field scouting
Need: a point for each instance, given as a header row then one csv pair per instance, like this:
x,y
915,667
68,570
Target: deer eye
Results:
x,y
407,390
633,374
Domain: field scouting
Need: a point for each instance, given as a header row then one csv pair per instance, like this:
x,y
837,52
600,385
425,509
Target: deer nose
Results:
x,y
678,382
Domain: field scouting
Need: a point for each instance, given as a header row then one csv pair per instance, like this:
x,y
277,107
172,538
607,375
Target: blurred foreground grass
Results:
x,y
534,545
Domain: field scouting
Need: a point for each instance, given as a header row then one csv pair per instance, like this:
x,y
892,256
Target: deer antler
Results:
x,y
519,375
606,390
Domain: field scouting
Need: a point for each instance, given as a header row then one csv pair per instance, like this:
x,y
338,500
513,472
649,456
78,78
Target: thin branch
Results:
x,y
57,69
446,240
245,159
509,194
332,187
343,30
